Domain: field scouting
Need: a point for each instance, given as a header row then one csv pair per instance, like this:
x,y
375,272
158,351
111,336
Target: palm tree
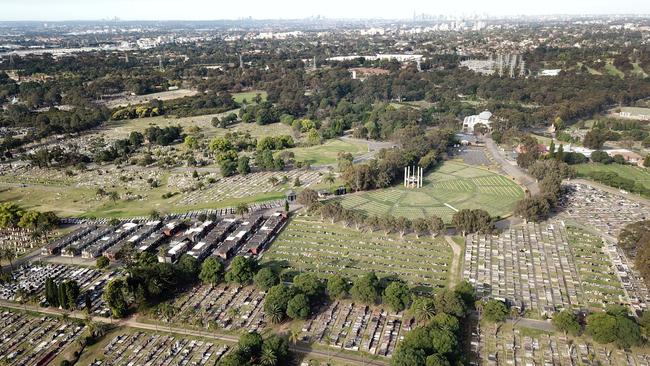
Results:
x,y
241,209
268,357
114,196
423,311
275,314
294,336
9,254
168,312
23,297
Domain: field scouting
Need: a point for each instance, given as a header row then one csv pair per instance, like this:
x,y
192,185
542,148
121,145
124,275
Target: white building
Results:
x,y
471,121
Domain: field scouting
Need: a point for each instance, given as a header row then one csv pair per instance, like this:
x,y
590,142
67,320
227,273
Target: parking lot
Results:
x,y
140,348
28,340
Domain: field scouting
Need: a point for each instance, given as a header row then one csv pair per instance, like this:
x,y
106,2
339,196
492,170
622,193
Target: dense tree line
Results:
x,y
635,241
64,294
613,326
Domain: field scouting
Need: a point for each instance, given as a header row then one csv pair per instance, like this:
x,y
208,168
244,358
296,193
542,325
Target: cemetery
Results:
x,y
225,307
520,346
355,327
310,244
543,268
602,210
29,340
451,187
143,348
30,280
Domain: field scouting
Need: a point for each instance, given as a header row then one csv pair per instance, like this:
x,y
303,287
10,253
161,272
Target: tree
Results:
x,y
102,262
407,356
280,348
191,142
298,307
436,226
189,268
444,341
275,303
294,336
449,302
466,292
437,360
495,311
567,322
337,287
366,288
397,296
402,224
307,197
423,309
595,138
211,271
535,209
250,343
266,278
115,297
268,357
243,165
241,209
113,196
310,285
646,161
241,270
602,327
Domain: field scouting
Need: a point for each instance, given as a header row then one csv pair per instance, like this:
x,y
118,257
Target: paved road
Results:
x,y
513,170
303,348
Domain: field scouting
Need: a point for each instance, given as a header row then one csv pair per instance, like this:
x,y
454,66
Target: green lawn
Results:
x,y
327,153
249,95
612,70
310,244
452,186
639,175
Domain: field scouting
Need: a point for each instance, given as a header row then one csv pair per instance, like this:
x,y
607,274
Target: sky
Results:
x,y
53,10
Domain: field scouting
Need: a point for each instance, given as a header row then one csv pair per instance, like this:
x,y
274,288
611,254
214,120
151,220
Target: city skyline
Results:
x,y
41,10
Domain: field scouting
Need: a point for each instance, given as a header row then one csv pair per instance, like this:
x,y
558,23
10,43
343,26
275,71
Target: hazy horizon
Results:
x,y
188,10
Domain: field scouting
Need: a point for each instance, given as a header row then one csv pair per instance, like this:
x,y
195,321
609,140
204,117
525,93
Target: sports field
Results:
x,y
637,174
309,244
451,187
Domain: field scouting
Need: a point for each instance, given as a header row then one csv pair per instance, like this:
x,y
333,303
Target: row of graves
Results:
x,y
31,279
20,240
602,210
224,306
544,268
517,346
28,340
140,348
241,186
356,327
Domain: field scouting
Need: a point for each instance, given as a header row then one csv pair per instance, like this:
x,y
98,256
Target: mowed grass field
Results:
x,y
453,186
310,244
327,153
249,95
637,174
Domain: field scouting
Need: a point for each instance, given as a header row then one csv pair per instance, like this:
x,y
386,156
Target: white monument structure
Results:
x,y
482,118
413,177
